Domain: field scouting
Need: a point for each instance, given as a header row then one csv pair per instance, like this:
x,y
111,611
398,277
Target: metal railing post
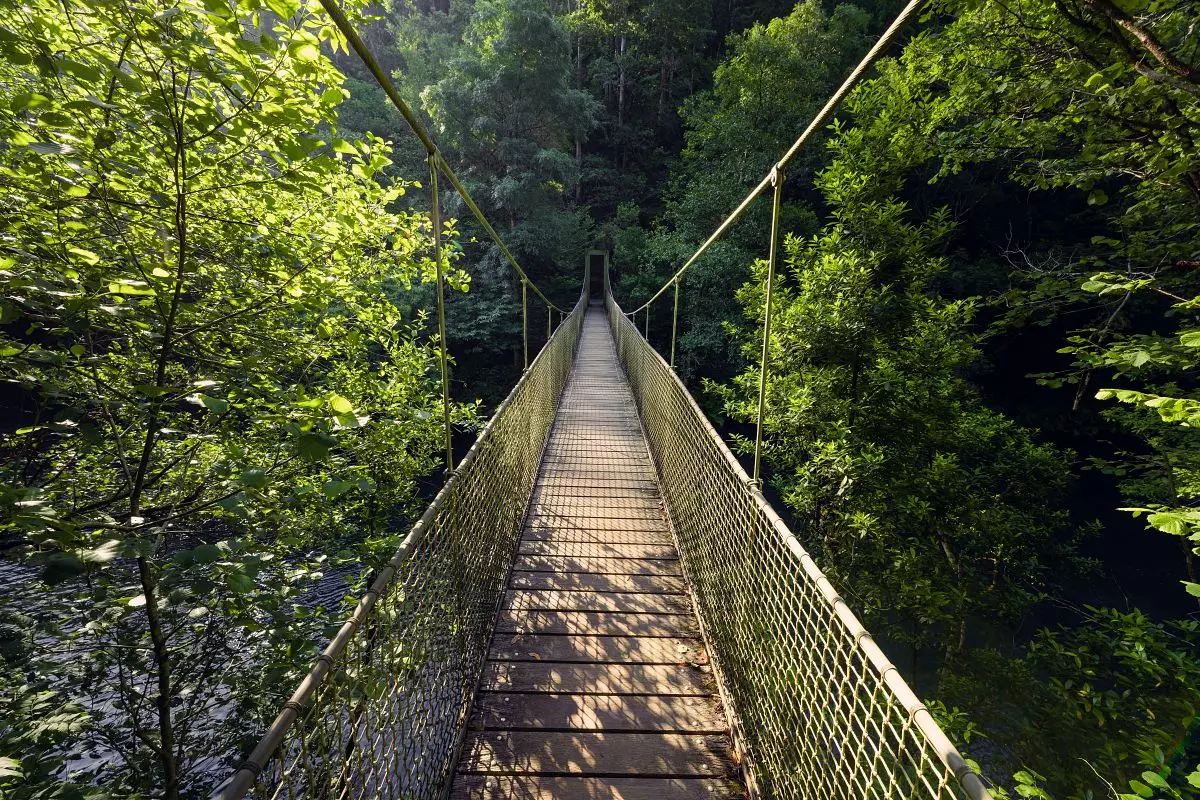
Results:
x,y
777,177
674,323
525,319
435,218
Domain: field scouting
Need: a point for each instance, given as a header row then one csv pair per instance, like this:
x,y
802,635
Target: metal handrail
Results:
x,y
550,367
747,567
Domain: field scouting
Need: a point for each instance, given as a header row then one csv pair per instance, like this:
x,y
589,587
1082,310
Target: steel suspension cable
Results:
x,y
817,122
766,334
674,324
437,164
369,61
435,219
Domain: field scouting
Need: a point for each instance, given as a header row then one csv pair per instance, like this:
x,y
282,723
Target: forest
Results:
x,y
219,344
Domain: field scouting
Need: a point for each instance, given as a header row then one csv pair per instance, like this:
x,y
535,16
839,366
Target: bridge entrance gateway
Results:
x,y
600,603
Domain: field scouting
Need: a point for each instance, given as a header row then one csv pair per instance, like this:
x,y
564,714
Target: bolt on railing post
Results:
x,y
525,319
777,180
674,323
647,323
435,219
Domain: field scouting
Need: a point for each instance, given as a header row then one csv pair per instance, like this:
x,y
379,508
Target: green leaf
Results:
x,y
206,554
1155,780
335,488
130,287
305,51
87,255
214,404
1142,789
340,405
240,582
1190,339
284,8
314,446
254,477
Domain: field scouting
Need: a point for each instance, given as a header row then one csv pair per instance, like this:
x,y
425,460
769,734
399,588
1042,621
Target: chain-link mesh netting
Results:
x,y
381,712
817,709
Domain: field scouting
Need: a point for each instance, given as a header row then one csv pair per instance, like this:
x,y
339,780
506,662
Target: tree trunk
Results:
x,y
662,90
621,103
956,649
578,138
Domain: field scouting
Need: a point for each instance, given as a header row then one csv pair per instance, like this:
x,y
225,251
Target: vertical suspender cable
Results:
x,y
549,323
435,219
647,323
525,319
674,323
777,177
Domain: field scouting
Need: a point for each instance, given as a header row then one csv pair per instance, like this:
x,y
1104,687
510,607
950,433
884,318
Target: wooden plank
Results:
x,y
618,483
598,507
581,490
536,787
590,453
597,550
539,532
597,712
573,511
601,566
598,473
597,623
597,524
567,678
639,603
590,582
598,649
670,755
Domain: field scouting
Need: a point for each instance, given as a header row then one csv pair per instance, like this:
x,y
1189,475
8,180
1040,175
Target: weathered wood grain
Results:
x,y
598,550
597,582
529,676
601,623
537,787
598,712
628,602
597,649
598,566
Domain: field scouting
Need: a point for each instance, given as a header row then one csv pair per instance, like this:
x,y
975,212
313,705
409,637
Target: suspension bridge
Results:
x,y
600,603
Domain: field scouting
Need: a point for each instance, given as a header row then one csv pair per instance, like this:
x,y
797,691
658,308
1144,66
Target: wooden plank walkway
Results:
x,y
597,683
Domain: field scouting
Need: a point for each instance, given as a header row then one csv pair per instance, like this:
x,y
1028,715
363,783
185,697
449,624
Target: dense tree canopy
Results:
x,y
221,387
209,390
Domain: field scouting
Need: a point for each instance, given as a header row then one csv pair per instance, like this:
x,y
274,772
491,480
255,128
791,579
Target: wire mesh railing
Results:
x,y
817,709
382,711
